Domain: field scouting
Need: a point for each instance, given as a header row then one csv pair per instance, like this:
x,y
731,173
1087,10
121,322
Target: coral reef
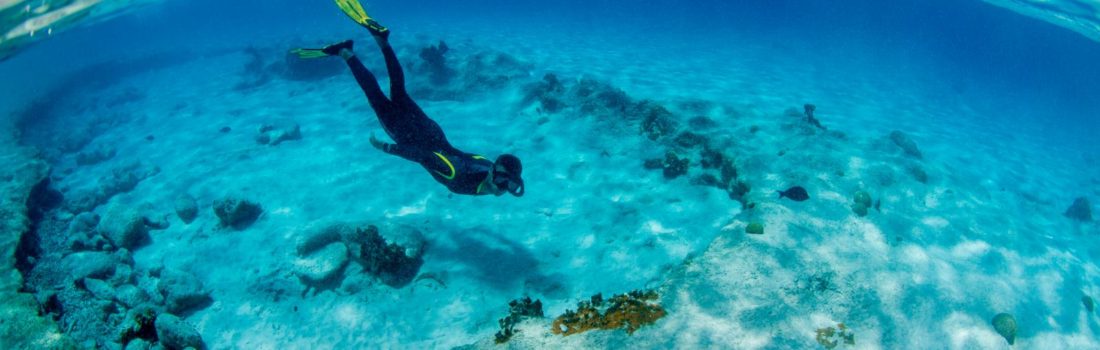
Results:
x,y
830,337
630,311
808,110
517,310
435,62
674,166
236,213
391,263
1080,210
1005,325
905,143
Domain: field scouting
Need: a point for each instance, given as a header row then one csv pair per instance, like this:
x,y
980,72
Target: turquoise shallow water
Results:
x,y
169,104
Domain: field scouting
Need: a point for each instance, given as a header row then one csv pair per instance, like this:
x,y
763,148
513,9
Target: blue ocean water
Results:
x,y
972,128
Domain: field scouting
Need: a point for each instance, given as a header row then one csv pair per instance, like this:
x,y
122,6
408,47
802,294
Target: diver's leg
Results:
x,y
393,68
368,83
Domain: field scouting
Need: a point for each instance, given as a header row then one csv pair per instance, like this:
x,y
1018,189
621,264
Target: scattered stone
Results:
x,y
89,264
131,296
124,227
139,344
902,140
236,213
1089,304
755,228
225,130
187,208
321,265
83,224
174,333
1005,325
274,134
1081,210
99,288
182,291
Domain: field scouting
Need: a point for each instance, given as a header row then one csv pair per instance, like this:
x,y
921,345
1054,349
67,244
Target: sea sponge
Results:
x,y
755,228
631,311
862,203
1005,325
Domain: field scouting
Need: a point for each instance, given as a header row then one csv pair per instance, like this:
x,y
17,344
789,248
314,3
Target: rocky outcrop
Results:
x,y
21,325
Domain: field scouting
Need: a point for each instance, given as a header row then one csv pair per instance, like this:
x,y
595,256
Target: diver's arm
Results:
x,y
411,153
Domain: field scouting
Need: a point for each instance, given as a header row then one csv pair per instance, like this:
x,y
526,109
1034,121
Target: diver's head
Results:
x,y
506,174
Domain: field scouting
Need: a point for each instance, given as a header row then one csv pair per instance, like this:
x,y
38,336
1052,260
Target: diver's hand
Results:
x,y
375,142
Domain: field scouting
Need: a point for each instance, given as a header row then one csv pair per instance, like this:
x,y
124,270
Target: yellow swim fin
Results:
x,y
309,53
355,10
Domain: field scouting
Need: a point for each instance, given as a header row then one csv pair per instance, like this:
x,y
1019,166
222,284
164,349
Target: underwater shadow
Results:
x,y
489,257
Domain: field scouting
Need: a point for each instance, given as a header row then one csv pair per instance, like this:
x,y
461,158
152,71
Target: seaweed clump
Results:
x,y
830,337
388,261
517,310
630,311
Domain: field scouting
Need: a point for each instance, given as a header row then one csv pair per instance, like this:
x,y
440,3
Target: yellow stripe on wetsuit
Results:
x,y
449,165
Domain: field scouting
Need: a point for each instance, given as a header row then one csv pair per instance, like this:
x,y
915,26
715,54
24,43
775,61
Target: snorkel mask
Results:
x,y
506,174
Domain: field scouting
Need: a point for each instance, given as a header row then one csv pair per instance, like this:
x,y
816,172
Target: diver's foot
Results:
x,y
337,48
377,30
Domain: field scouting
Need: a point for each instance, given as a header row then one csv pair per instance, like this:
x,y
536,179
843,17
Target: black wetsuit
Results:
x,y
419,138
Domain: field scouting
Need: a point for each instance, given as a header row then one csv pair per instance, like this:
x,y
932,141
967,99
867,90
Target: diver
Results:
x,y
417,137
